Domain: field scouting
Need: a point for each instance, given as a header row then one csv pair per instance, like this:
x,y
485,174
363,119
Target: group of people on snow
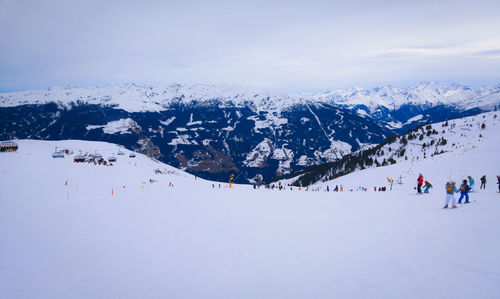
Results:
x,y
420,182
451,188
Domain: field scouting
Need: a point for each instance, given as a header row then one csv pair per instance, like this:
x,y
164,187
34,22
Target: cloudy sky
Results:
x,y
277,45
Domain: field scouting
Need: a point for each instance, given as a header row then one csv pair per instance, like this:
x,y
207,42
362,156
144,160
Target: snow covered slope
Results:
x,y
34,161
95,238
430,142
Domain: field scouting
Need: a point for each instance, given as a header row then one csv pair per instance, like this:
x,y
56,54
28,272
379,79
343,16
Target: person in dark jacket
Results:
x,y
483,182
464,192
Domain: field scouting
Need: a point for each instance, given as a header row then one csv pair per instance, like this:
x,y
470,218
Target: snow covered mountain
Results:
x,y
433,142
216,130
148,98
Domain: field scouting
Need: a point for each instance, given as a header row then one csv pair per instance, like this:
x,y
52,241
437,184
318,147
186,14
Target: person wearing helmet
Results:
x,y
464,191
451,189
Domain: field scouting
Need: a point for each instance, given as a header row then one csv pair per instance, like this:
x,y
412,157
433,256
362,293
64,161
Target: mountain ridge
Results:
x,y
214,131
147,98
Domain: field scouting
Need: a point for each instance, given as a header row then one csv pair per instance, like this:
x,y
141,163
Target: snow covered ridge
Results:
x,y
141,98
127,163
433,142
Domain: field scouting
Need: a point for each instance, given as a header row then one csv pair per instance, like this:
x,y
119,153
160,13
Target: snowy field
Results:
x,y
111,233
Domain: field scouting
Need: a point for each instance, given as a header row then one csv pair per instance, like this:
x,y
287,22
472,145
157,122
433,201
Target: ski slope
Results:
x,y
111,233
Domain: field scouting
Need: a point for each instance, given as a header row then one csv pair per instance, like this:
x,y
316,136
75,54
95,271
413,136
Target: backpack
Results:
x,y
463,188
449,188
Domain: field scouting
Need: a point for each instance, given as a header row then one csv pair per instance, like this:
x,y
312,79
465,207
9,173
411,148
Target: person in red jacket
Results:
x,y
420,181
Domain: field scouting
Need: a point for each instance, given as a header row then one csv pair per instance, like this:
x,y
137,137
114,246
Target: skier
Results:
x,y
498,178
471,183
427,185
483,182
336,188
450,190
464,191
327,188
420,181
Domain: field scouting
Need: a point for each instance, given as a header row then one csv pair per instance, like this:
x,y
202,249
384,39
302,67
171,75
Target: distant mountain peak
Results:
x,y
136,97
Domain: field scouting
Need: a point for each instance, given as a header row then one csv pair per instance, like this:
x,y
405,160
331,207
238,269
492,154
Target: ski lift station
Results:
x,y
132,155
58,154
8,146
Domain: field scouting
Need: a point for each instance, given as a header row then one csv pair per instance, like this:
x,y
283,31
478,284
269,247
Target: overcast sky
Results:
x,y
279,45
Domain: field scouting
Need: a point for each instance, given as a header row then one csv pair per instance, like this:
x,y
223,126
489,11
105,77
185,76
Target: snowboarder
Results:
x,y
471,183
483,182
450,190
427,185
420,181
464,191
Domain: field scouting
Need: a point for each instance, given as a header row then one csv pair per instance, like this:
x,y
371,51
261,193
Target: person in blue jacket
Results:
x,y
464,192
471,184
